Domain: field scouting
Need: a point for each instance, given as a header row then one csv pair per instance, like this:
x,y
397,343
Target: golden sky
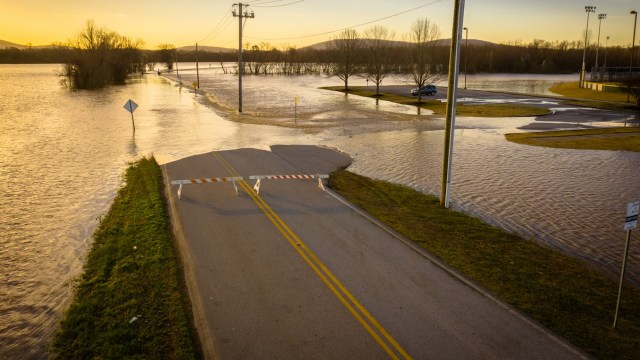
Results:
x,y
296,22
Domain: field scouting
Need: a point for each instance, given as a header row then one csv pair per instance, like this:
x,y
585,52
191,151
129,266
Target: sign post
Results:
x,y
631,222
295,102
131,106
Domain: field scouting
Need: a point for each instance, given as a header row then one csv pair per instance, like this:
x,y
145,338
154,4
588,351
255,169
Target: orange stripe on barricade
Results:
x,y
256,187
204,181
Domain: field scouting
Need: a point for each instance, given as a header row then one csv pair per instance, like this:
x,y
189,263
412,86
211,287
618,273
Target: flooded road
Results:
x,y
572,200
62,154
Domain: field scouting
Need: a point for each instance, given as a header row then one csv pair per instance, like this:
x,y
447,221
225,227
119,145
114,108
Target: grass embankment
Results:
x,y
440,108
130,302
622,139
613,100
562,293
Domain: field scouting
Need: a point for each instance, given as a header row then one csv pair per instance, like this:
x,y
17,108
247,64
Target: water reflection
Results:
x,y
62,162
133,148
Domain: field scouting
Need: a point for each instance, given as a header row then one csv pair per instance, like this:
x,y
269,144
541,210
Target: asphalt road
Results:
x,y
297,273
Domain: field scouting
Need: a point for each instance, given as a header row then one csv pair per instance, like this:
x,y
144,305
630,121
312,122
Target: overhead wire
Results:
x,y
262,2
272,6
353,26
222,24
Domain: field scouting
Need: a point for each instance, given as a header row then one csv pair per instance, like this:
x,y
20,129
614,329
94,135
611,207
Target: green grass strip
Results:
x,y
611,100
562,293
440,108
130,302
620,139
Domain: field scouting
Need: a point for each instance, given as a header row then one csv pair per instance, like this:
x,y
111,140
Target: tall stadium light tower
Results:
x,y
588,10
600,18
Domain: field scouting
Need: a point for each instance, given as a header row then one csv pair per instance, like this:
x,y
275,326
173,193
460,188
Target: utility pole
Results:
x,y
450,125
197,72
240,14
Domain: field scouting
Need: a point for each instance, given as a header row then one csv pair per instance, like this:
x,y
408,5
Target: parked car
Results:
x,y
426,90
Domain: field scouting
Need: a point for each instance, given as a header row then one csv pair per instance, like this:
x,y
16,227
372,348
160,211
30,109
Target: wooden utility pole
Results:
x,y
454,65
197,72
240,14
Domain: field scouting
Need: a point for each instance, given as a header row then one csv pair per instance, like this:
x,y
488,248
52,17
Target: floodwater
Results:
x,y
62,154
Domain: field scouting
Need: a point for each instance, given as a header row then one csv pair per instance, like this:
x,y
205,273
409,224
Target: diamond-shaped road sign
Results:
x,y
130,106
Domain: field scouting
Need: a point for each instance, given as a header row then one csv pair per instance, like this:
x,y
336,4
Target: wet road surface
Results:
x,y
296,272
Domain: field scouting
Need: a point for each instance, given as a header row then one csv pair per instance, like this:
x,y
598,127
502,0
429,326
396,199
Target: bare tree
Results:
x,y
377,46
425,65
346,46
167,55
100,57
631,85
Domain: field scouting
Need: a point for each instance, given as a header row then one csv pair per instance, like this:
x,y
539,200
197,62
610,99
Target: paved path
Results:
x,y
296,273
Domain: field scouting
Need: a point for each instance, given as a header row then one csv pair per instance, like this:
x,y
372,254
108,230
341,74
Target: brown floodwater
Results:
x,y
62,154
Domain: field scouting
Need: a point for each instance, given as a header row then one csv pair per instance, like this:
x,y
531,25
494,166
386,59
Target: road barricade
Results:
x,y
258,179
233,179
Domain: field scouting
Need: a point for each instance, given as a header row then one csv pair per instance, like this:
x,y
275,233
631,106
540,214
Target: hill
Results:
x,y
7,44
440,42
211,49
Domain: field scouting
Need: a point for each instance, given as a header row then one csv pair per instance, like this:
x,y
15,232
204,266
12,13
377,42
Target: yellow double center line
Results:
x,y
370,324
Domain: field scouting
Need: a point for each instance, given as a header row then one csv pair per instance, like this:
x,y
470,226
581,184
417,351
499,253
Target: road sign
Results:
x,y
631,221
130,106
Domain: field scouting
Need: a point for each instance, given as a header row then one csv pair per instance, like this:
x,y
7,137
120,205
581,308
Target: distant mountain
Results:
x,y
440,42
210,49
7,44
214,49
472,42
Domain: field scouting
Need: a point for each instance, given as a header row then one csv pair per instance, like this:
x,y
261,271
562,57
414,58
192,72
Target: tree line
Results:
x,y
97,56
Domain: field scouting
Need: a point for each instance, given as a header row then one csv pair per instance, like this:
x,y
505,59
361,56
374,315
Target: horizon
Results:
x,y
497,21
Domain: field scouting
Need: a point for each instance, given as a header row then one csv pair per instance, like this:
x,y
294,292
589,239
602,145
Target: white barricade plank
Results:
x,y
206,180
258,178
256,187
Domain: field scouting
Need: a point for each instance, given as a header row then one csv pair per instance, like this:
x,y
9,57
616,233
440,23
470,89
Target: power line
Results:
x,y
353,26
221,25
262,2
272,6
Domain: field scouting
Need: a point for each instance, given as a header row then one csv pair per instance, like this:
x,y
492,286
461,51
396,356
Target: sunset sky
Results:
x,y
295,22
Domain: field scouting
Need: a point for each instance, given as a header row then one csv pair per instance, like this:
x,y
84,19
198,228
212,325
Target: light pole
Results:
x,y
633,45
600,18
606,48
588,10
466,54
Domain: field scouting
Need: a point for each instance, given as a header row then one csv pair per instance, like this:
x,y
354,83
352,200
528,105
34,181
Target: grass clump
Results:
x,y
440,108
130,302
620,139
561,292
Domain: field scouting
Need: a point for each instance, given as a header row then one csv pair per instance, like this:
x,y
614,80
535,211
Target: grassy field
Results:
x,y
560,292
130,302
623,139
597,99
440,108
